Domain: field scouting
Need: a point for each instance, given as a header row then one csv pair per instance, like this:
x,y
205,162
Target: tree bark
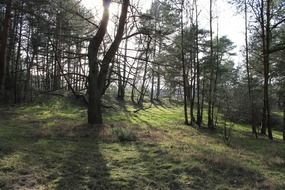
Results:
x,y
122,83
247,70
216,75
202,100
193,86
158,70
97,78
143,87
199,121
210,119
284,117
3,46
94,107
184,67
17,69
266,40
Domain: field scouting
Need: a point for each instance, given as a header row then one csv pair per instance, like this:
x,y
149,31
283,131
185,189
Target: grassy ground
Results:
x,y
49,146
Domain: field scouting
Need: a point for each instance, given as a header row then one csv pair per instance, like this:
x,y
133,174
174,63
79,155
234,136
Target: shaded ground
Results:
x,y
49,146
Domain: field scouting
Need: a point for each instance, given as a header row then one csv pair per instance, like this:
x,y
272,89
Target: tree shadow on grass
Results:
x,y
171,170
158,165
267,155
247,141
82,165
62,158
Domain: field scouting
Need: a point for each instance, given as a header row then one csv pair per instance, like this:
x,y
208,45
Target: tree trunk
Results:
x,y
134,84
266,40
248,72
94,106
198,66
193,86
152,84
202,101
216,75
3,46
122,80
97,78
184,67
27,63
17,69
210,119
158,70
143,87
284,117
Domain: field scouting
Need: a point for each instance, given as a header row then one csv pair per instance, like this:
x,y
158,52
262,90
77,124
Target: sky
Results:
x,y
230,23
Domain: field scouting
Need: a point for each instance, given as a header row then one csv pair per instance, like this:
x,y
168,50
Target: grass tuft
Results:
x,y
124,135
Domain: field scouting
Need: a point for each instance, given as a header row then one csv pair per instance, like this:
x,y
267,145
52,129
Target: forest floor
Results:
x,y
49,146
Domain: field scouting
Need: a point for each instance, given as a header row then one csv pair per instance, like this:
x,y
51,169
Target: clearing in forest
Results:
x,y
49,146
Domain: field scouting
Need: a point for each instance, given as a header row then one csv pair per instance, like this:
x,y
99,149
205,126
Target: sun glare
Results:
x,y
114,9
98,6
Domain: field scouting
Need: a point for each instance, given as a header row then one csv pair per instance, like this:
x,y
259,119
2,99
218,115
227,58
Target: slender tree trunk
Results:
x,y
143,87
134,84
202,100
152,84
183,66
17,69
58,52
210,119
193,85
125,68
69,76
268,45
27,63
253,126
284,118
76,68
158,70
120,83
3,46
216,75
152,71
266,39
154,60
198,66
193,101
47,80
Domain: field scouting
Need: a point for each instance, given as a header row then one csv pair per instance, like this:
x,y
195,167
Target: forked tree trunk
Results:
x,y
98,73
